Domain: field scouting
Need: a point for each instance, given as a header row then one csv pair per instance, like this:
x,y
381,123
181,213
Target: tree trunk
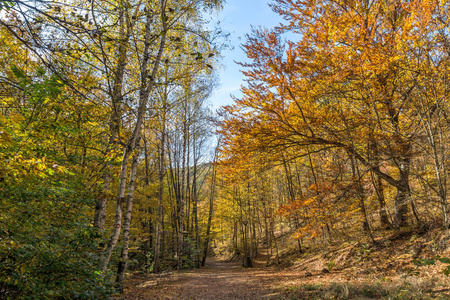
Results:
x,y
439,165
118,217
277,257
379,189
188,180
100,208
211,210
268,241
123,263
180,251
116,101
161,173
148,248
357,180
378,183
195,210
144,92
402,197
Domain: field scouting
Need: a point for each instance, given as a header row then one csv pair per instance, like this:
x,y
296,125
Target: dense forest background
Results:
x,y
112,160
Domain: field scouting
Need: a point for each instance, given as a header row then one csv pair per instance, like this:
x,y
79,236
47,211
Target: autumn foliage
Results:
x,y
349,100
103,106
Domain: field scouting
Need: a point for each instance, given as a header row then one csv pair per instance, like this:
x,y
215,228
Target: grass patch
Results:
x,y
412,289
311,287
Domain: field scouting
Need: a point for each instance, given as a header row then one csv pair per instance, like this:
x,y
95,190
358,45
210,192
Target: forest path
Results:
x,y
218,280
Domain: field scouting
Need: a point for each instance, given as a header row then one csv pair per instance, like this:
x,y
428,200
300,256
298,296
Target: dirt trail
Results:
x,y
218,280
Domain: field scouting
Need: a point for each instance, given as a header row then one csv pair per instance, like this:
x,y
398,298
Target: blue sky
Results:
x,y
236,18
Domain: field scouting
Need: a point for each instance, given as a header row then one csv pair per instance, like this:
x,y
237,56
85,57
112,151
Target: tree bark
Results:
x,y
100,208
123,263
116,101
357,180
161,174
195,210
118,217
211,210
180,251
144,92
378,183
402,197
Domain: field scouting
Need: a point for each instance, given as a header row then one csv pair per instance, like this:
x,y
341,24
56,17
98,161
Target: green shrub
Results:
x,y
48,249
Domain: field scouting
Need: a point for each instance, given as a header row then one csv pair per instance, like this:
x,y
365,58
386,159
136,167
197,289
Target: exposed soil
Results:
x,y
218,280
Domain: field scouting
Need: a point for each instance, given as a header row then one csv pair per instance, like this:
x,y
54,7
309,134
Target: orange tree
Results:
x,y
350,80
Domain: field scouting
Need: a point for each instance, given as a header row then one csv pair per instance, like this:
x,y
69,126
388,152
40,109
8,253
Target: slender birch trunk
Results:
x,y
118,217
116,101
127,224
147,84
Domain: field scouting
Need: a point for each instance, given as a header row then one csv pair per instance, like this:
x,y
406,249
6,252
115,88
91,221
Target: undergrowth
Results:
x,y
411,289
